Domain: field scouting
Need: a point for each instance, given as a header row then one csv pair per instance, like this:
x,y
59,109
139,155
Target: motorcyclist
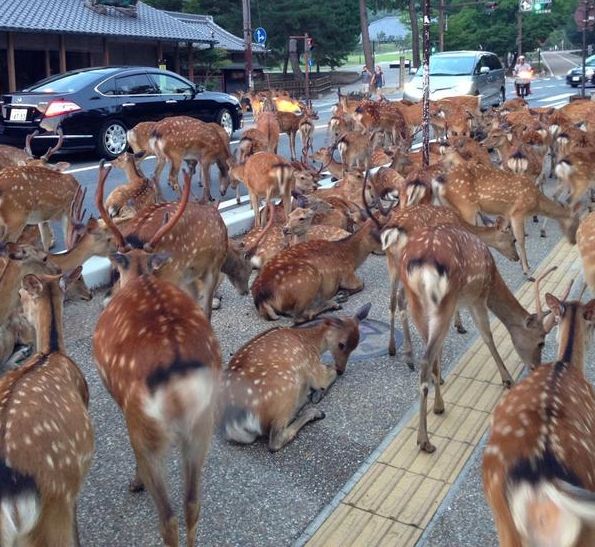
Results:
x,y
522,66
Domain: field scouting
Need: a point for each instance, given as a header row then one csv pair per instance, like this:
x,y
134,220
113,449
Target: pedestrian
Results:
x,y
366,78
378,79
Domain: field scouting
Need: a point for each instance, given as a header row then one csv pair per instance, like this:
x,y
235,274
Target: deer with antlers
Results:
x,y
538,464
265,387
161,366
474,188
46,441
444,267
183,138
290,123
139,192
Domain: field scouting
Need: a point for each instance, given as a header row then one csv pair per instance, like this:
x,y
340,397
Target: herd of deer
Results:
x,y
159,357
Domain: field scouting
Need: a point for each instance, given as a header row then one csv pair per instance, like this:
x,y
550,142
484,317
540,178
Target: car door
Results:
x,y
481,78
495,77
176,94
137,97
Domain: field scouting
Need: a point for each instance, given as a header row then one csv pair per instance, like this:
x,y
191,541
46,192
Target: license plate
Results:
x,y
18,115
576,78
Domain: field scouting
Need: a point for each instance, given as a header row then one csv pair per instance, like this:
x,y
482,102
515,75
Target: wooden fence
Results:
x,y
318,84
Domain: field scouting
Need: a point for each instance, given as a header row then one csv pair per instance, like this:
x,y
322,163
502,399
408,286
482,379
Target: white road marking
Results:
x,y
555,97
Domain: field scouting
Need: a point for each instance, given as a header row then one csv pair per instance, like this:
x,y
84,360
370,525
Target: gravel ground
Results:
x,y
250,496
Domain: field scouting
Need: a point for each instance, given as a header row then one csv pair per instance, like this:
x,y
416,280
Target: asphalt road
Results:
x,y
250,496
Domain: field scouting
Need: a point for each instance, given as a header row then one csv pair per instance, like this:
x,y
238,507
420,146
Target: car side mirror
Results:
x,y
199,88
484,69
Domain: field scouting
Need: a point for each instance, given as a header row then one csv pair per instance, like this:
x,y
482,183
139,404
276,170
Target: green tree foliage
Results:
x,y
472,27
169,5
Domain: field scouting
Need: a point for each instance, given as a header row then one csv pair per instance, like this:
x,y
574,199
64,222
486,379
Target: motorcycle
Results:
x,y
522,83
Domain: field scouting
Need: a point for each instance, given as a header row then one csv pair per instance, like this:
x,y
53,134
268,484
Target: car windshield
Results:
x,y
445,65
68,83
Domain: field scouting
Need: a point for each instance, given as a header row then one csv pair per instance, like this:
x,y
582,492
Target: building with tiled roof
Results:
x,y
42,37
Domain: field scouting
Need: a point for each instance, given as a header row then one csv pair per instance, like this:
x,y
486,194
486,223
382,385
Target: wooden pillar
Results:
x,y
190,63
105,52
159,52
62,54
12,77
48,64
177,59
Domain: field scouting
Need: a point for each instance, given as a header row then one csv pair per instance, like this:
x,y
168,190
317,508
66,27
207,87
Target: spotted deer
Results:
x,y
405,222
268,125
444,267
575,173
268,176
302,280
11,156
473,189
139,139
325,157
133,196
538,465
183,138
299,228
46,436
355,149
266,384
160,360
290,123
585,237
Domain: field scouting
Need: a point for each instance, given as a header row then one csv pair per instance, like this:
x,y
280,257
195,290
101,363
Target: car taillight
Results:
x,y
57,108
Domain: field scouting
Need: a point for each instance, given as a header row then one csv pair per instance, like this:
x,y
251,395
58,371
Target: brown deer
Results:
x,y
443,267
575,173
139,139
11,156
138,193
538,464
32,194
159,359
268,176
325,157
355,149
252,141
405,222
46,440
265,386
473,188
290,123
183,138
299,228
585,238
301,280
306,131
268,125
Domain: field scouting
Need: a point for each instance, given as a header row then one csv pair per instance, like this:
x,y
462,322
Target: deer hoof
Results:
x,y
535,219
507,383
426,446
392,351
136,485
542,233
317,396
341,297
320,415
216,305
439,409
461,329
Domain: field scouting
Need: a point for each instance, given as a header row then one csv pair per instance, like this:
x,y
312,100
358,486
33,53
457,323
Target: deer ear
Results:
x,y
589,311
554,304
33,285
363,312
121,260
158,260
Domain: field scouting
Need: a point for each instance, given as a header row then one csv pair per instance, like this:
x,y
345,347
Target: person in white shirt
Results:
x,y
522,66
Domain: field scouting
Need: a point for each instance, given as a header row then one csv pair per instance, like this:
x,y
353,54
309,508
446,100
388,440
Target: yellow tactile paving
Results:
x,y
398,495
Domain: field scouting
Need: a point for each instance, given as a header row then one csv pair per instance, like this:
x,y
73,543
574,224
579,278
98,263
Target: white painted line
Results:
x,y
556,97
547,65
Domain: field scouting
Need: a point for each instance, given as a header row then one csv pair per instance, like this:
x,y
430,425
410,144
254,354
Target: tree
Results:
x,y
366,45
169,5
414,33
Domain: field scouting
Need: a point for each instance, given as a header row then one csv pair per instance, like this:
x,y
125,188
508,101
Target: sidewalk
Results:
x,y
396,494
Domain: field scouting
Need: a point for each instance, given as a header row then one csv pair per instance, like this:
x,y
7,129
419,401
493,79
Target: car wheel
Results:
x,y
573,85
225,120
111,140
501,97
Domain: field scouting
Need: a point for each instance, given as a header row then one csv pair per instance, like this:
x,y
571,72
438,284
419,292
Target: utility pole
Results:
x,y
248,42
426,85
441,24
519,36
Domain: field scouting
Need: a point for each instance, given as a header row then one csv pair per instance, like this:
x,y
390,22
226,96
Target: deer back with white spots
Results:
x,y
539,463
272,377
46,437
160,360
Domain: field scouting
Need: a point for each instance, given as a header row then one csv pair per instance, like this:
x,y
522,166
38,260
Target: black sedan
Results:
x,y
95,107
574,76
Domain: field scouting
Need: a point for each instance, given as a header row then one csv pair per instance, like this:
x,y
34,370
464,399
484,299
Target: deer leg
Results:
x,y
322,379
542,232
437,379
517,224
479,311
47,235
194,454
459,323
150,470
172,178
351,284
206,177
281,436
392,349
403,316
75,527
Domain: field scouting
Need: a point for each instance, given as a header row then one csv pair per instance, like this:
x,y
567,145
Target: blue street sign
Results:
x,y
310,63
260,35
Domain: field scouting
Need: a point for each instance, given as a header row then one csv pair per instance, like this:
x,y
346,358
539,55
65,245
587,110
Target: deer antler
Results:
x,y
28,140
172,221
103,173
54,149
77,215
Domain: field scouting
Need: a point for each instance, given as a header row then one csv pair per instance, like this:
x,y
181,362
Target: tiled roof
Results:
x,y
225,40
72,16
